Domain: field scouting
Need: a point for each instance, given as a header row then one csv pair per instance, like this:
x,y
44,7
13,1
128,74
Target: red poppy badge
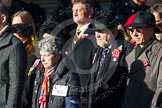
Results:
x,y
116,53
145,62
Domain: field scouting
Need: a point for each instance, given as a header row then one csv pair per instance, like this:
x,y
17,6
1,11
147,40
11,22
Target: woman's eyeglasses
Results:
x,y
23,29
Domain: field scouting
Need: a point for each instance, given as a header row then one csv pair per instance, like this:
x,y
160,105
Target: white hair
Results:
x,y
52,44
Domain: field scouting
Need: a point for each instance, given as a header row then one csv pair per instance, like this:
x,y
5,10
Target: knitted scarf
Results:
x,y
43,99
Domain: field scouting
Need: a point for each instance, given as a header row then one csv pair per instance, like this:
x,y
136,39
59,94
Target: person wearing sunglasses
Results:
x,y
23,27
13,60
144,87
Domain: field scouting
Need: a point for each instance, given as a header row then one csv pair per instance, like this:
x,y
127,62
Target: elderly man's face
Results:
x,y
48,59
141,34
103,37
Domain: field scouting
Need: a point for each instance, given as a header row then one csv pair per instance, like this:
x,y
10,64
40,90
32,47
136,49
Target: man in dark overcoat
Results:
x,y
81,46
108,75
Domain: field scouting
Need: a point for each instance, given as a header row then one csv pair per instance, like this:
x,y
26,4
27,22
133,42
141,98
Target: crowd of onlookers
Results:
x,y
82,55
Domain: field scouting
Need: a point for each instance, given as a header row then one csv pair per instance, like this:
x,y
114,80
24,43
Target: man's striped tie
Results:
x,y
76,37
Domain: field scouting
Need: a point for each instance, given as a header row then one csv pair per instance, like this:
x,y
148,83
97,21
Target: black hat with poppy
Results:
x,y
144,19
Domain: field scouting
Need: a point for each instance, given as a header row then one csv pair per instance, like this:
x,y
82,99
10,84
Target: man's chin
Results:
x,y
76,21
101,45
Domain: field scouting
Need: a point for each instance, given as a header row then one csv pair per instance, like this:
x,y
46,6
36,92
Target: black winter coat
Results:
x,y
63,77
13,61
108,82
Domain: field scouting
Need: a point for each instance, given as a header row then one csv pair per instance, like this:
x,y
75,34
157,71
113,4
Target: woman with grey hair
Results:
x,y
52,44
52,86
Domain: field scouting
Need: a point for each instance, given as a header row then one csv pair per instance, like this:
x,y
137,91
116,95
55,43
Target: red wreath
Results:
x,y
116,53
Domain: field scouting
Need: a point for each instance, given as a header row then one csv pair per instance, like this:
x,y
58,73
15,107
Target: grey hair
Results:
x,y
52,44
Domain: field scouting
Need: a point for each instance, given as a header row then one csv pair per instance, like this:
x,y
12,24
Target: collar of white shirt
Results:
x,y
83,29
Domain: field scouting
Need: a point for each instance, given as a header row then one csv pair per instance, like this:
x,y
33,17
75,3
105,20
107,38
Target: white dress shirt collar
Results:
x,y
83,29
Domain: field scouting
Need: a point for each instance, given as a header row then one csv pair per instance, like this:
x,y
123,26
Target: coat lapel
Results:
x,y
145,56
110,65
130,58
114,62
135,65
88,32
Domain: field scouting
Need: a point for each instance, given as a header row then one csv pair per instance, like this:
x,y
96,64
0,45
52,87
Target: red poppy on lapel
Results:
x,y
116,52
145,62
84,36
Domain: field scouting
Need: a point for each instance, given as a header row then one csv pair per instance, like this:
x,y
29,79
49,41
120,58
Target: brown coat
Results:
x,y
144,89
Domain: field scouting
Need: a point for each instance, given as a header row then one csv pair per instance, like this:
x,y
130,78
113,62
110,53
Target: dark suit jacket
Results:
x,y
144,89
80,56
109,80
